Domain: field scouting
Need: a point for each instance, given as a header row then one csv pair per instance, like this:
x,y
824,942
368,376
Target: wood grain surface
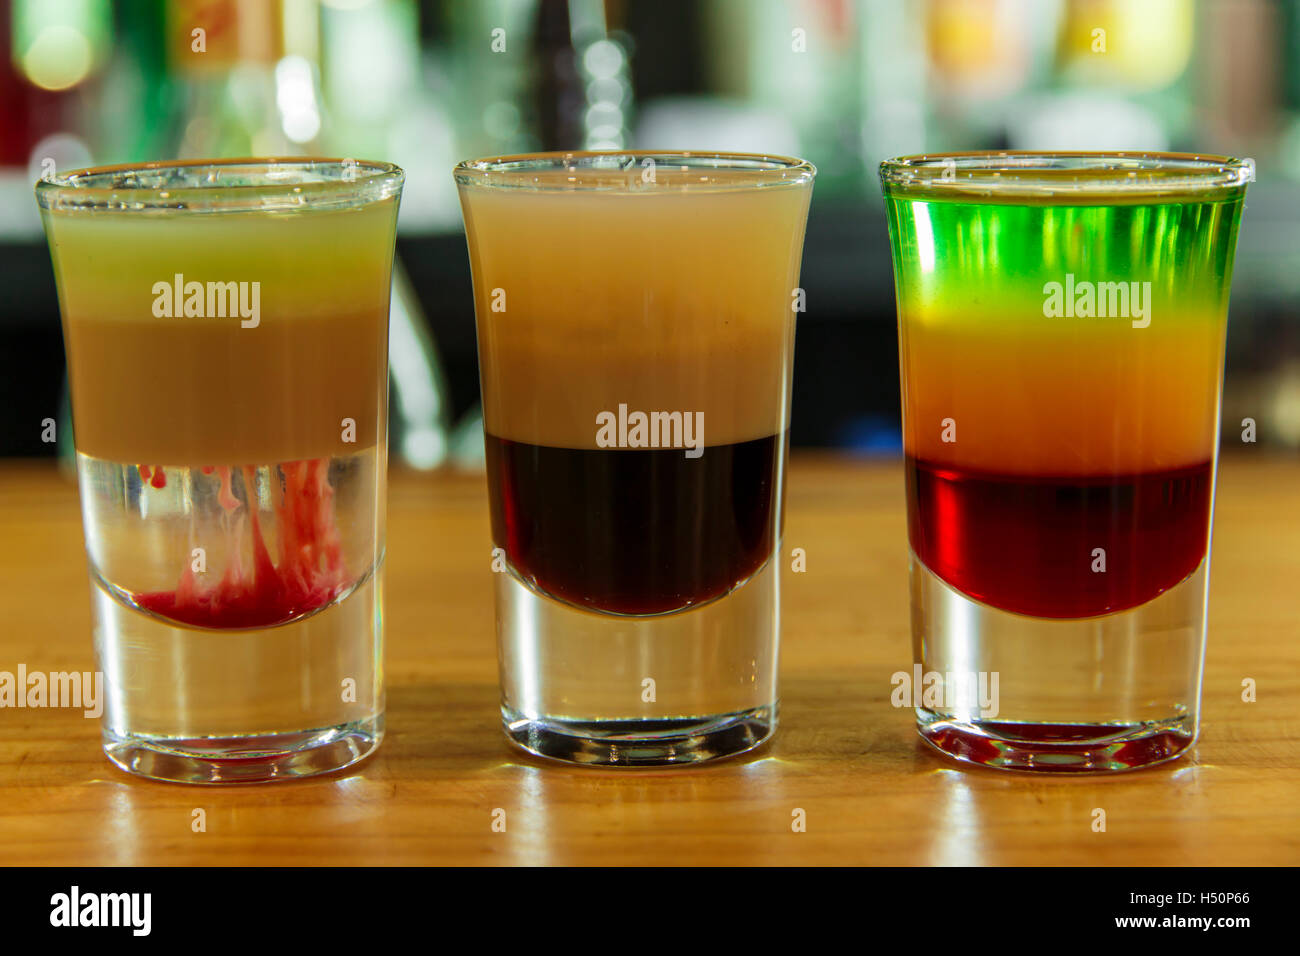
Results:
x,y
871,791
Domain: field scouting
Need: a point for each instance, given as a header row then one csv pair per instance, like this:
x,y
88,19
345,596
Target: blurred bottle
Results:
x,y
223,55
50,52
1137,47
979,49
891,37
1291,52
1240,75
390,92
787,78
583,96
489,57
135,123
558,94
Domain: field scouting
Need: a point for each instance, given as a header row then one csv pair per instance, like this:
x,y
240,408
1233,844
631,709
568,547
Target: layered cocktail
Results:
x,y
1061,332
636,327
226,330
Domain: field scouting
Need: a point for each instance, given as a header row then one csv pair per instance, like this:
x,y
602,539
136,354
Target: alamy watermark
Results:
x,y
212,300
76,689
961,693
132,911
1084,299
626,429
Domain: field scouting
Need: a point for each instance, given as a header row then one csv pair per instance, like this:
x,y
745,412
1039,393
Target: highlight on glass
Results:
x,y
636,317
226,326
1061,335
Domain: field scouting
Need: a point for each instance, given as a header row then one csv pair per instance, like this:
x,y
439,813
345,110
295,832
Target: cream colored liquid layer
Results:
x,y
199,390
660,300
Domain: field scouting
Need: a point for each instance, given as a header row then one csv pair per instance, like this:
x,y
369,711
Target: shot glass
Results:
x,y
226,326
636,316
1061,326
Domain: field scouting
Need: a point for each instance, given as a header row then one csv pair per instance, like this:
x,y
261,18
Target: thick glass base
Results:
x,y
259,759
196,705
1077,748
641,743
635,691
1108,693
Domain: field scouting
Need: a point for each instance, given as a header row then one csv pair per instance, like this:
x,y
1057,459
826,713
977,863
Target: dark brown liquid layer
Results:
x,y
635,531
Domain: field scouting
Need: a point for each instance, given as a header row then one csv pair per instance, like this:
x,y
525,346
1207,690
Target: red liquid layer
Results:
x,y
1025,544
634,531
309,575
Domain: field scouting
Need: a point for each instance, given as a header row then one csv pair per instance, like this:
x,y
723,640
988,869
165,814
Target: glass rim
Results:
x,y
1066,175
620,170
280,184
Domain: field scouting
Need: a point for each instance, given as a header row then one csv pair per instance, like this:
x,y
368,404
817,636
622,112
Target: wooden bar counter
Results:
x,y
870,791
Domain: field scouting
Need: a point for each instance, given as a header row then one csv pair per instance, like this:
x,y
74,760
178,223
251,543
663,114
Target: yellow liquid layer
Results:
x,y
203,389
1029,394
660,299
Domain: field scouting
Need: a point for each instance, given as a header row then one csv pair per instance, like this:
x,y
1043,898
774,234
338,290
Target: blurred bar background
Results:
x,y
843,83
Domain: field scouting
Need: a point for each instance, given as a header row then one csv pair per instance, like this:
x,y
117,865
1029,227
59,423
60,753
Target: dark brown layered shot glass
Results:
x,y
636,319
